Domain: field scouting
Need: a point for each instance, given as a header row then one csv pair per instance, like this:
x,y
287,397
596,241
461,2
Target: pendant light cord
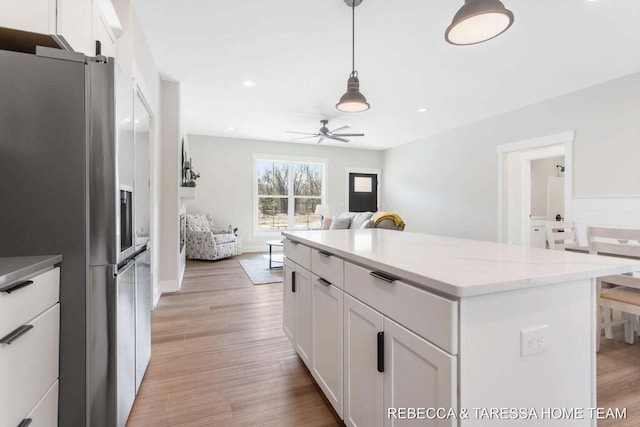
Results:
x,y
353,36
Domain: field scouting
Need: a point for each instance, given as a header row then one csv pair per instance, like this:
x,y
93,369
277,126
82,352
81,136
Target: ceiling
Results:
x,y
299,55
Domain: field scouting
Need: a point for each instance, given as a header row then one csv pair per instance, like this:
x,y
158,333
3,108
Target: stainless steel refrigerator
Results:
x,y
69,186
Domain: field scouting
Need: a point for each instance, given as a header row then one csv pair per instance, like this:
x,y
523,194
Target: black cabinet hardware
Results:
x,y
15,334
383,276
325,254
380,351
324,282
293,281
17,286
25,423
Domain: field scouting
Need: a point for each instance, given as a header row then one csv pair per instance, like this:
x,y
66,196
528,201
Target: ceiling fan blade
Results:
x,y
339,129
321,139
304,137
303,133
337,138
348,134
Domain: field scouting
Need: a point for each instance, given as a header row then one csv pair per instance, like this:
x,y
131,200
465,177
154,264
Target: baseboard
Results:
x,y
169,286
157,293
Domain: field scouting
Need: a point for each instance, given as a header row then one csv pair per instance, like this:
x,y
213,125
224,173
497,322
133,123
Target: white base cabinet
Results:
x,y
417,374
30,348
363,382
289,306
327,340
364,362
297,309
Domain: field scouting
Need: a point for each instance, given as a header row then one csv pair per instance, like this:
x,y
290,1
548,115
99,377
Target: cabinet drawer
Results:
x,y
28,367
298,253
428,315
327,266
25,303
45,414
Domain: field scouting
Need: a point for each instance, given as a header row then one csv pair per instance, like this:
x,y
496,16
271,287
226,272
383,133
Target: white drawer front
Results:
x,y
298,253
428,315
22,305
327,266
45,414
28,367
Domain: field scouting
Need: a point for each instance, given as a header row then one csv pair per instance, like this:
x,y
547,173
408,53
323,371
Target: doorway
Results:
x,y
535,185
363,190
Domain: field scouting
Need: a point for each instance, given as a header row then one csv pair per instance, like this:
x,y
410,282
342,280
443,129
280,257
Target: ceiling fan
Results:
x,y
325,133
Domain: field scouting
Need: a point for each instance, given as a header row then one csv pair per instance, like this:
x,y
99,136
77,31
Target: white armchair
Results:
x,y
205,242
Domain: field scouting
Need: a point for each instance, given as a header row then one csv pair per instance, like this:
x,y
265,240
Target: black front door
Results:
x,y
363,192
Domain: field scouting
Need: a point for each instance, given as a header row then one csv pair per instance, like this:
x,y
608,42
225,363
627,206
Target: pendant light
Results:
x,y
478,21
353,101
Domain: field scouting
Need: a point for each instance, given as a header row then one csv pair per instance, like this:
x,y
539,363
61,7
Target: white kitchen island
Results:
x,y
401,328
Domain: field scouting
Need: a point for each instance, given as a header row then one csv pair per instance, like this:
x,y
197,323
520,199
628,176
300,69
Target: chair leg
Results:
x,y
599,317
628,327
606,317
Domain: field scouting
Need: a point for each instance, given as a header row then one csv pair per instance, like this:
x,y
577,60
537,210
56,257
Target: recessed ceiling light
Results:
x,y
137,120
248,83
422,110
230,128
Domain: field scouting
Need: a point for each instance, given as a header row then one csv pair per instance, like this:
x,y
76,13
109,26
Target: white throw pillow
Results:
x,y
360,219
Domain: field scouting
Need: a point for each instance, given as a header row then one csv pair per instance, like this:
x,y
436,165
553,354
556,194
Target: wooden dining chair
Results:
x,y
561,235
617,292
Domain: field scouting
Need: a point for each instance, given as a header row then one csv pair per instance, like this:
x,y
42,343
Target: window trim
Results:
x,y
257,157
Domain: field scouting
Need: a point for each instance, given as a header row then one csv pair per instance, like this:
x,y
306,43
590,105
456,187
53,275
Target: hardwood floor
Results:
x,y
619,379
220,358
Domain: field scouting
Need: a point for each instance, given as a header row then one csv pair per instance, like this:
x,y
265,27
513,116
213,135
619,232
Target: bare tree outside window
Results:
x,y
282,184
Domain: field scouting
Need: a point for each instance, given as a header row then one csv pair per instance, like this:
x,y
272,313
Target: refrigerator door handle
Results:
x,y
130,263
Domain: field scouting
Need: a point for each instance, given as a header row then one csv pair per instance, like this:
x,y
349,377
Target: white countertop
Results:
x,y
15,268
460,267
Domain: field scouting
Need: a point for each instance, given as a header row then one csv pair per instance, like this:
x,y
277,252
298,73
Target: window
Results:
x,y
288,193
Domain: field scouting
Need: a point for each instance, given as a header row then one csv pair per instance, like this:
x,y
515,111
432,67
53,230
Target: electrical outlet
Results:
x,y
534,340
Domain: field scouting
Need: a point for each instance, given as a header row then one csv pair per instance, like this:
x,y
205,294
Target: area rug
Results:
x,y
257,268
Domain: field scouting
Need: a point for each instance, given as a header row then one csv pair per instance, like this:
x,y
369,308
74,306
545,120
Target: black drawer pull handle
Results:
x,y
325,254
293,281
15,334
383,276
380,351
25,423
324,282
17,286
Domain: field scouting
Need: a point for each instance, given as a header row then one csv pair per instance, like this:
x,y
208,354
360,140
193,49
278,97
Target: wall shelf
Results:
x,y
187,192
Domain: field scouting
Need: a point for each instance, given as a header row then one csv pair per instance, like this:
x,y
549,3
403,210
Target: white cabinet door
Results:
x,y
417,374
289,306
38,16
74,24
327,340
363,383
303,324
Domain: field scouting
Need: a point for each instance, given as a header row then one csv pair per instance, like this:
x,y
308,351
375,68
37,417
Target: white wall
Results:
x,y
169,227
225,188
447,184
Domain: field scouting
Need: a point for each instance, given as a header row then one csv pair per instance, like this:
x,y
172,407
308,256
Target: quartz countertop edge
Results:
x,y
461,276
16,268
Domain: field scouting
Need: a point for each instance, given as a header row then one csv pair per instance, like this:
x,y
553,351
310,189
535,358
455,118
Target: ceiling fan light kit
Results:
x,y
353,101
478,21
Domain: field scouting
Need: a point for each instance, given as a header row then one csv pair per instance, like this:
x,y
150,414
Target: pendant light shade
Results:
x,y
478,21
353,101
